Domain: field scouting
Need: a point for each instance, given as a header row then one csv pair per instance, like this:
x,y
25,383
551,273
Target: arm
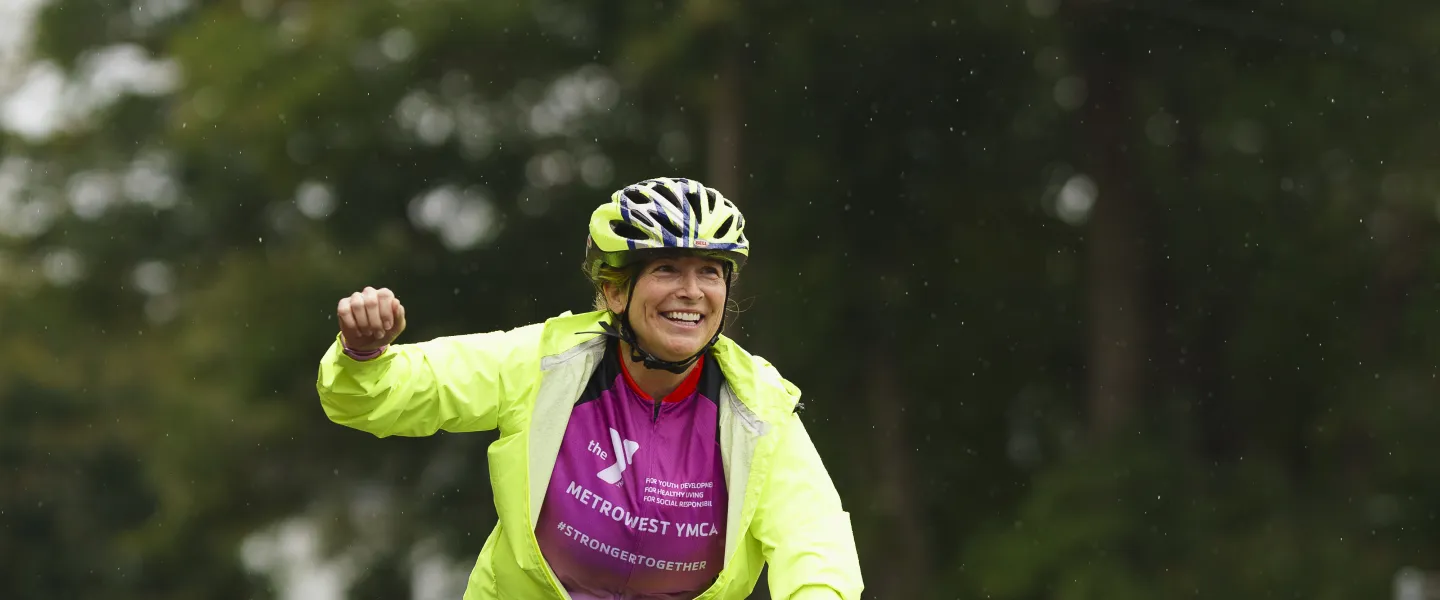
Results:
x,y
459,383
802,527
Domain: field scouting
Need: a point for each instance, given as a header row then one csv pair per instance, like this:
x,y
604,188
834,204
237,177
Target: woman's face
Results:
x,y
677,305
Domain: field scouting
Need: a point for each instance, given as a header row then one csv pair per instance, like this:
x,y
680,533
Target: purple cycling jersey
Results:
x,y
636,504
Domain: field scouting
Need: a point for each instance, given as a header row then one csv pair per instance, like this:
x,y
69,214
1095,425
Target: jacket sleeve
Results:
x,y
457,383
803,529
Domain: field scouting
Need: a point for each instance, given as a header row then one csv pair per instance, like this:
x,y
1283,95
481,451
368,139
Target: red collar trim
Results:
x,y
686,388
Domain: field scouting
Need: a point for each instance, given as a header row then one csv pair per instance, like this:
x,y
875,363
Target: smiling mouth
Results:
x,y
683,318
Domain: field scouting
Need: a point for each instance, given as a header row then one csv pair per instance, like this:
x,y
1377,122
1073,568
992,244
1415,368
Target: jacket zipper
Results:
x,y
656,418
545,565
549,574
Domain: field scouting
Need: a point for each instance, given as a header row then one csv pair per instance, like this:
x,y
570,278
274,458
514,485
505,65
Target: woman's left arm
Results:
x,y
802,527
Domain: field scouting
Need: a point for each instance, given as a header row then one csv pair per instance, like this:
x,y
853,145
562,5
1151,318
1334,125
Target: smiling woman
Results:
x,y
642,453
679,302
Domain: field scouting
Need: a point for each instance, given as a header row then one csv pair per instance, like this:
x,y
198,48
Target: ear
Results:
x,y
614,297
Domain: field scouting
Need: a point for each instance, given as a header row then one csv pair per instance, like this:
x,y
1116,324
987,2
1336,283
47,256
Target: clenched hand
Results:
x,y
370,319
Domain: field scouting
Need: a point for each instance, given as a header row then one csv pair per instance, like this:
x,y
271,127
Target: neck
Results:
x,y
655,382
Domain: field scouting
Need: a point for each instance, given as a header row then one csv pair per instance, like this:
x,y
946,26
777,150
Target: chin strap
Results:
x,y
626,333
650,361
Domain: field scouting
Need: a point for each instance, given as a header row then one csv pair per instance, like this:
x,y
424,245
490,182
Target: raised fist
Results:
x,y
370,319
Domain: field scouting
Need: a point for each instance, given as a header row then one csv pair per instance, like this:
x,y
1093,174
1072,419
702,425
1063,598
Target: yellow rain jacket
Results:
x,y
783,507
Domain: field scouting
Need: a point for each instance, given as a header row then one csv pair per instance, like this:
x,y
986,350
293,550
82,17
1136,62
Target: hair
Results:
x,y
624,277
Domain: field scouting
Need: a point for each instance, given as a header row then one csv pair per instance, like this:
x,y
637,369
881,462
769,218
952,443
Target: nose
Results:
x,y
690,286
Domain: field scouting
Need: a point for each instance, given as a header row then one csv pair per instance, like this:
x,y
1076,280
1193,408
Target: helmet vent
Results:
x,y
668,225
667,193
696,199
636,197
725,227
642,217
627,231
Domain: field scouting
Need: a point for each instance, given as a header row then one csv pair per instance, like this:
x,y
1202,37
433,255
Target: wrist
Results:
x,y
360,354
365,354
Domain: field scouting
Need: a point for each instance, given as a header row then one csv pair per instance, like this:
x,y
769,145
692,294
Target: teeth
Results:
x,y
683,316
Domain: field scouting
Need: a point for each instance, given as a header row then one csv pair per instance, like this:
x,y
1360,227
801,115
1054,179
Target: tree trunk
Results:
x,y
726,125
905,564
1117,248
1405,234
1219,425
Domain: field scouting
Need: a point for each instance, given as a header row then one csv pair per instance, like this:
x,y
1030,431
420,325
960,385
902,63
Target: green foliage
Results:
x,y
170,263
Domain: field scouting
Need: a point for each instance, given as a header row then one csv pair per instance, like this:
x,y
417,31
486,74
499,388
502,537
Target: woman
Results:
x,y
641,453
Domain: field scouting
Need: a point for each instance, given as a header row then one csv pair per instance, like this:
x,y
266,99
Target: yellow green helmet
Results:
x,y
665,213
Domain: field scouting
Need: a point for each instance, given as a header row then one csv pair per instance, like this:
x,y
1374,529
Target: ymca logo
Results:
x,y
624,451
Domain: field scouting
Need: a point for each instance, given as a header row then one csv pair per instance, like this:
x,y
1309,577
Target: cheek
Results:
x,y
634,297
717,300
648,297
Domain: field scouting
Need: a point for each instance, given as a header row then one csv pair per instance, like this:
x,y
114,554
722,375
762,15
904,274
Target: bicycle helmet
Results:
x,y
664,215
